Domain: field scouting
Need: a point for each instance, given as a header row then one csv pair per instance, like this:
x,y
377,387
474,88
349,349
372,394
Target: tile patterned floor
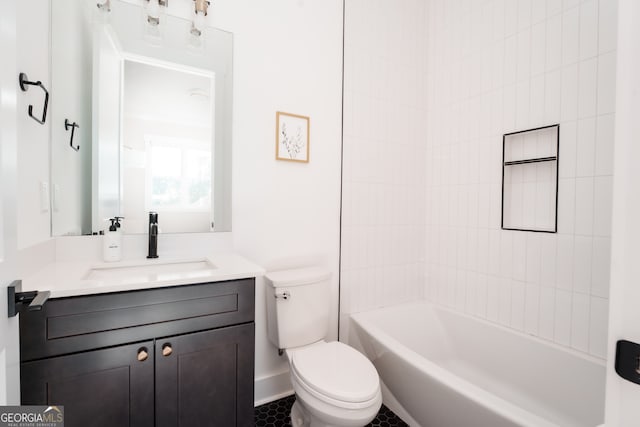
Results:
x,y
276,414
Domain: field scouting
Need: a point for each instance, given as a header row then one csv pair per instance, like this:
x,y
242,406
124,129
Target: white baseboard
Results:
x,y
272,387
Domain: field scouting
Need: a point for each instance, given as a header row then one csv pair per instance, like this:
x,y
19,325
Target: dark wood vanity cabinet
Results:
x,y
107,387
178,356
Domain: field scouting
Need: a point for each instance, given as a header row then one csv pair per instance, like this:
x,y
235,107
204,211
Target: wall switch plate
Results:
x,y
628,360
44,196
56,197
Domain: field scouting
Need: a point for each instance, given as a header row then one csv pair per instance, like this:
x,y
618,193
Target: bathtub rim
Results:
x,y
585,356
460,385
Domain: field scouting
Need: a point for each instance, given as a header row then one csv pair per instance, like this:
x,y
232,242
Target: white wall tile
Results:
x,y
569,102
553,57
601,267
554,7
510,60
504,302
519,257
588,29
524,14
564,278
532,308
587,88
568,147
537,101
552,96
568,4
562,318
523,54
534,255
548,260
481,303
493,298
566,205
546,317
582,262
580,322
584,206
570,36
607,25
599,316
604,145
506,254
384,208
606,83
483,250
471,294
538,47
603,202
518,294
519,64
538,11
523,104
460,290
586,147
510,17
509,108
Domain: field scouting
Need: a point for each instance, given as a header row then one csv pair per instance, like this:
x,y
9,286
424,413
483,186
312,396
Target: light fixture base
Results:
x,y
164,3
104,6
202,6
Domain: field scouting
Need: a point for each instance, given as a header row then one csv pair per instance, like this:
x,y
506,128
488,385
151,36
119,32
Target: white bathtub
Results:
x,y
443,369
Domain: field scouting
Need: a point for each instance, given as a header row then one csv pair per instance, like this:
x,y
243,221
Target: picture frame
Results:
x,y
292,137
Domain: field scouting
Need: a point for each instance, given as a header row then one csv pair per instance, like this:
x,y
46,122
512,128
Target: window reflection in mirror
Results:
x,y
166,152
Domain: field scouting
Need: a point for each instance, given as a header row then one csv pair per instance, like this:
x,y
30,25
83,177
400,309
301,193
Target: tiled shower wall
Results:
x,y
498,66
385,136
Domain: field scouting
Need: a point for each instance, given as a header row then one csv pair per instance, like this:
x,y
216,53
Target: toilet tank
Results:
x,y
298,306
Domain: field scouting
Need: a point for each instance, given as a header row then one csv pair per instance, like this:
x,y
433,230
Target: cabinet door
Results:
x,y
110,387
206,378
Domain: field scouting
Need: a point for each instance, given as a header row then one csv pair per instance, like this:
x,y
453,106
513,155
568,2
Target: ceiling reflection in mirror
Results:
x,y
153,106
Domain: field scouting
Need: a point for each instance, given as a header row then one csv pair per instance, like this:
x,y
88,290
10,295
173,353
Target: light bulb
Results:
x,y
153,12
198,24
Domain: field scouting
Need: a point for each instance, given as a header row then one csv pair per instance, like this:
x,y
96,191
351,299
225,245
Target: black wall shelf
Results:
x,y
529,137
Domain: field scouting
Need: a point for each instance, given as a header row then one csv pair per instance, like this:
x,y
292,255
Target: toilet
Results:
x,y
335,385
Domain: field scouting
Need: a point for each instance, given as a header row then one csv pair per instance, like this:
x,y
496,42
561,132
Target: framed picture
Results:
x,y
292,137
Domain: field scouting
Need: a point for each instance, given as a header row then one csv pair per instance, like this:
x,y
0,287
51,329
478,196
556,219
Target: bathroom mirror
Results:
x,y
150,111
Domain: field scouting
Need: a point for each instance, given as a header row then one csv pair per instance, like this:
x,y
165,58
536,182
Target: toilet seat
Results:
x,y
336,374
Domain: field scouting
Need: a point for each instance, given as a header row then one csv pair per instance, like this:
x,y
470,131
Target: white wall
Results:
x,y
9,344
71,82
622,407
502,66
383,216
33,138
287,57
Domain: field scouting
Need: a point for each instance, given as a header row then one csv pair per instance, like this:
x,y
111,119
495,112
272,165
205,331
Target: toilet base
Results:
x,y
297,416
301,416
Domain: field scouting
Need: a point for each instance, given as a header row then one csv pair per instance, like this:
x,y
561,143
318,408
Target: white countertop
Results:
x,y
69,278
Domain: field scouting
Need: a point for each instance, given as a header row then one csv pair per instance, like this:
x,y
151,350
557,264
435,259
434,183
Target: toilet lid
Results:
x,y
337,371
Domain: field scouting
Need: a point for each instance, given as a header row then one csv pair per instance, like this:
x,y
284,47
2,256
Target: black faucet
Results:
x,y
153,235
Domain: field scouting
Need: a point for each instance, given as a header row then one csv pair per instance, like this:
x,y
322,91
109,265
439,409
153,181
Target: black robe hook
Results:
x,y
73,127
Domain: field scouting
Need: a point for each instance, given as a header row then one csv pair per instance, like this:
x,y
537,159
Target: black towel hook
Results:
x,y
73,127
24,82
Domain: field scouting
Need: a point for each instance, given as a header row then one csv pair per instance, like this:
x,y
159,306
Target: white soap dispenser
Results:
x,y
112,241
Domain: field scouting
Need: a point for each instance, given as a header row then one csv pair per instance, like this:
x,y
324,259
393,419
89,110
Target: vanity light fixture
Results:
x,y
153,11
105,6
201,10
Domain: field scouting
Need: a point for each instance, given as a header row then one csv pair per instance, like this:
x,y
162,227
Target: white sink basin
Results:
x,y
150,272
